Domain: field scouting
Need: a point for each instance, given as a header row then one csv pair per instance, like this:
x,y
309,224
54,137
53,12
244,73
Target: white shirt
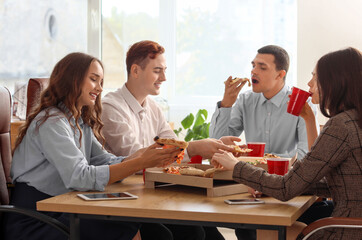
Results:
x,y
128,126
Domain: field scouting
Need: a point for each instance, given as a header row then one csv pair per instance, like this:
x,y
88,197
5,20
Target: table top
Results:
x,y
180,203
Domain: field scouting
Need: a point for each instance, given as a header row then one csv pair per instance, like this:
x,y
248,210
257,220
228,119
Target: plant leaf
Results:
x,y
197,130
201,117
205,130
177,131
187,121
189,135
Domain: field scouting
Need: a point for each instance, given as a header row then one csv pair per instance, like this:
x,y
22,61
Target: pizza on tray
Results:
x,y
190,171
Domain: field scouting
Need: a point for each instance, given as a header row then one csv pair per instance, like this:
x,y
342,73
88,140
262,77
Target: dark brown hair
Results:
x,y
140,53
339,79
65,85
281,57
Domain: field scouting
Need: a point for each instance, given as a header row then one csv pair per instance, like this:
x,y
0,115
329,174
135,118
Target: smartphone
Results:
x,y
243,201
107,196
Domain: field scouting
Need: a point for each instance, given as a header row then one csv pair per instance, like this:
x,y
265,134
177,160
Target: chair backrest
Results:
x,y
5,147
35,87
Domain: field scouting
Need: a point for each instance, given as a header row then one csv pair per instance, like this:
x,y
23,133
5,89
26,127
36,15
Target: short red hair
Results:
x,y
140,53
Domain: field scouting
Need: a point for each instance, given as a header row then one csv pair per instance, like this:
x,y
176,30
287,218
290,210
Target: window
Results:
x,y
205,40
34,35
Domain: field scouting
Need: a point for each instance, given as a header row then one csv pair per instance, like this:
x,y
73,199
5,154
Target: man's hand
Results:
x,y
230,140
231,92
207,147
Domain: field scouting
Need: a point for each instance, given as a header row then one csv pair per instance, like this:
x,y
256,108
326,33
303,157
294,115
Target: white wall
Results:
x,y
325,26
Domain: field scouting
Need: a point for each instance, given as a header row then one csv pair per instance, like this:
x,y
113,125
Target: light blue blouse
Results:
x,y
263,120
51,159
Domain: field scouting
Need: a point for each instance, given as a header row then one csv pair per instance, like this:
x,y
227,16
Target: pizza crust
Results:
x,y
173,142
191,171
234,80
210,172
241,150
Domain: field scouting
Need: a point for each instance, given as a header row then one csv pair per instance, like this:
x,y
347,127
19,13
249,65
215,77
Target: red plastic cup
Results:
x,y
258,149
278,166
297,100
196,160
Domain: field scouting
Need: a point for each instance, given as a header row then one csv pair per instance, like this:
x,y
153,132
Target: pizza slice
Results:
x,y
172,170
234,80
191,171
270,155
170,141
167,142
241,150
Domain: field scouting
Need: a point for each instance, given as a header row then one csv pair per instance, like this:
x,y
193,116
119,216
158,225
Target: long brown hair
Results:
x,y
65,85
339,79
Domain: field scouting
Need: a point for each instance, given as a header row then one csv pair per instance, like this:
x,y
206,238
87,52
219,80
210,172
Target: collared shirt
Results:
x,y
128,126
264,120
333,168
51,159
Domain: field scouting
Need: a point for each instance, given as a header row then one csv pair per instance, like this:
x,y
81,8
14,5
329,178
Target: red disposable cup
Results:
x,y
258,149
278,166
196,160
297,100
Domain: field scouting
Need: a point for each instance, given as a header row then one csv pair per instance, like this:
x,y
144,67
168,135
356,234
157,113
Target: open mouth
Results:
x,y
254,81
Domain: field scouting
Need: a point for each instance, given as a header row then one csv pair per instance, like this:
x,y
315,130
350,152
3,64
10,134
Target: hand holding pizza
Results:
x,y
232,90
155,156
207,147
230,140
226,160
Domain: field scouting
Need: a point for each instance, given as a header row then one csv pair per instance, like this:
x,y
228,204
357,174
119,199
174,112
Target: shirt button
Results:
x,y
269,114
266,131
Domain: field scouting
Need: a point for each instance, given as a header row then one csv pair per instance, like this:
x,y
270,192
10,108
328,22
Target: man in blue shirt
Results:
x,y
262,112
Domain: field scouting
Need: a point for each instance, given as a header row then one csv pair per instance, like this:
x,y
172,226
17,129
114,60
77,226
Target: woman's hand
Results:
x,y
254,193
307,113
225,160
156,156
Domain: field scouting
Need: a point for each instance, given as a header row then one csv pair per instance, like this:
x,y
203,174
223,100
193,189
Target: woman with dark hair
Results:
x,y
58,150
333,167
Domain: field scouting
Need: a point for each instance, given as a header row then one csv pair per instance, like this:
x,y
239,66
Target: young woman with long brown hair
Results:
x,y
333,167
58,151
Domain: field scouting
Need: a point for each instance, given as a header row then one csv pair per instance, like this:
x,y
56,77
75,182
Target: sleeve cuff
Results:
x,y
102,177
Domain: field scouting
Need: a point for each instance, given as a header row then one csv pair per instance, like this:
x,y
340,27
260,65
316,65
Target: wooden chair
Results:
x,y
5,162
331,222
35,87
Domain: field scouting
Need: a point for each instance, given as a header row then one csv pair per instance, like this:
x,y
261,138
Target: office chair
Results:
x,y
5,157
331,222
35,87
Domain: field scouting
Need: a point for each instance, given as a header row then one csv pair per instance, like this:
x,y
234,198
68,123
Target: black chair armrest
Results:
x,y
37,215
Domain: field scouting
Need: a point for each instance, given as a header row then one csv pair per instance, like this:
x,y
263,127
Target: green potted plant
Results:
x,y
196,128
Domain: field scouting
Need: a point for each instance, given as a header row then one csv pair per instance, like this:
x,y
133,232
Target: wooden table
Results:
x,y
179,205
